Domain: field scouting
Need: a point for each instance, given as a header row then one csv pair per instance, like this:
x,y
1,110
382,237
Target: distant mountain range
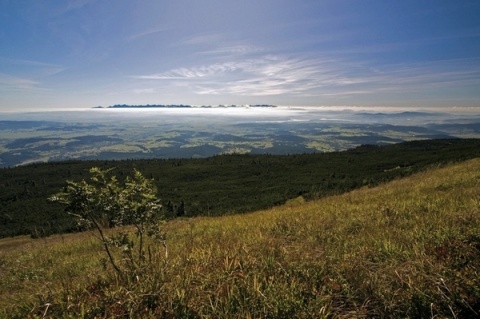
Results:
x,y
120,106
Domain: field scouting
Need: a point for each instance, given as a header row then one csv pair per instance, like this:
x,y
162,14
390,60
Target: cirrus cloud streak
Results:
x,y
280,75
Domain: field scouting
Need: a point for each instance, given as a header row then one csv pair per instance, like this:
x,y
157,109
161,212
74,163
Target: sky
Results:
x,y
61,54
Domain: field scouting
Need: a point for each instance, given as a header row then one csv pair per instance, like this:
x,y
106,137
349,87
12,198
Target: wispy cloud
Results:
x,y
144,91
265,75
218,45
348,93
232,49
190,73
26,75
34,68
422,76
146,33
328,77
8,82
205,38
25,62
72,5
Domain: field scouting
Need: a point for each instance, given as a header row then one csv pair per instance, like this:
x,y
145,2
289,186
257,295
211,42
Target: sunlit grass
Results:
x,y
407,249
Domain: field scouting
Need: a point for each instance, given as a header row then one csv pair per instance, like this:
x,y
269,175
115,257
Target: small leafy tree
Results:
x,y
105,202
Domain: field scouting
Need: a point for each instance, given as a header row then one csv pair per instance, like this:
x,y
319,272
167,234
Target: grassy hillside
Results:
x,y
222,184
406,249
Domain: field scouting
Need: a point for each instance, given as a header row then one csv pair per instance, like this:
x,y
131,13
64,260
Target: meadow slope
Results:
x,y
409,248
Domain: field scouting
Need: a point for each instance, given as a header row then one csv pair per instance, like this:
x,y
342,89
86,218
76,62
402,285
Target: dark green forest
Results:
x,y
224,184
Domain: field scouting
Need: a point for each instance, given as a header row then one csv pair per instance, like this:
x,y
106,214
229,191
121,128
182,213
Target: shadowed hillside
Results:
x,y
222,184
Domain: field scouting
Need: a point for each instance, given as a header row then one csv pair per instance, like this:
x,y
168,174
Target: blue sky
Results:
x,y
84,53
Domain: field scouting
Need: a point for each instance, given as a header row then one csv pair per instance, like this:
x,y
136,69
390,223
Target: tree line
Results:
x,y
221,184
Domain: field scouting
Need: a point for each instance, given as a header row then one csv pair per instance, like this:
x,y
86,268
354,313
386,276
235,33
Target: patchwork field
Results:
x,y
198,133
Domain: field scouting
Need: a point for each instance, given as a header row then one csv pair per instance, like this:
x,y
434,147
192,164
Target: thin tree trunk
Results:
x,y
105,246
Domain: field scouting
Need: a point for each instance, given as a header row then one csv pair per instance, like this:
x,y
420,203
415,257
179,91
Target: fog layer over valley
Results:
x,y
130,133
